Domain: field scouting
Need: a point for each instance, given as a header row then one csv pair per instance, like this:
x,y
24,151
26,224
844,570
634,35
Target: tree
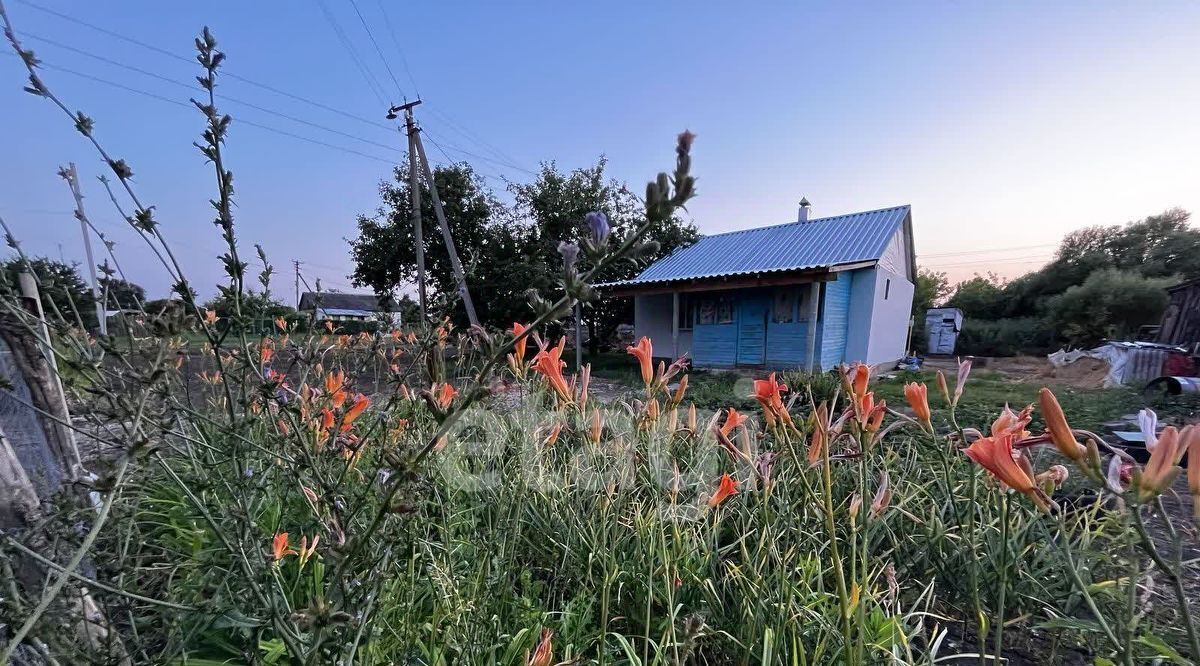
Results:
x,y
554,205
258,310
931,288
66,298
384,251
1110,303
504,252
122,294
980,297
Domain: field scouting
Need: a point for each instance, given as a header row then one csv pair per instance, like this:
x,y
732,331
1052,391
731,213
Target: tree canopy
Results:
x,y
1104,281
505,250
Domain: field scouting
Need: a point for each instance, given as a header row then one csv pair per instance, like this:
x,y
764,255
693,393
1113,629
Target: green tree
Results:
x,y
60,286
931,288
121,293
553,208
488,244
980,297
1110,304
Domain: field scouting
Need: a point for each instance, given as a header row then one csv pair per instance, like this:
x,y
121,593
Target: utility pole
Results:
x,y
414,189
72,178
414,136
296,263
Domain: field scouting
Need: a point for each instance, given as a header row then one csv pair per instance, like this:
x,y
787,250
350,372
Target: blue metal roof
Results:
x,y
817,243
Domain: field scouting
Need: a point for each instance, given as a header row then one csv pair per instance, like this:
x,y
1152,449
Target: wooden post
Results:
x,y
578,336
675,324
415,191
72,177
441,216
814,300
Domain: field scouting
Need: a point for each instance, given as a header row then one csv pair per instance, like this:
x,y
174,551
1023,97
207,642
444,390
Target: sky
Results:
x,y
1004,125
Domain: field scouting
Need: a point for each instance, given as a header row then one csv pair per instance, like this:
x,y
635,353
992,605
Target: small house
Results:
x,y
811,294
338,307
942,328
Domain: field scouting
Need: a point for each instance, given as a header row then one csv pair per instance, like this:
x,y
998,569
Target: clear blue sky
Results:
x,y
1005,125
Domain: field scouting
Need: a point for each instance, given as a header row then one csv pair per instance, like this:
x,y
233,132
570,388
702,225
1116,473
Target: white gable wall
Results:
x,y
895,255
880,304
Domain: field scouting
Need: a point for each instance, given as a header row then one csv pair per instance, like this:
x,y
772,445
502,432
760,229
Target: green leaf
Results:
x,y
1160,646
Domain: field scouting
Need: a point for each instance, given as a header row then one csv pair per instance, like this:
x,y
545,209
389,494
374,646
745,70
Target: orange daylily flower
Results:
x,y
555,431
329,326
1189,440
1012,423
917,396
732,420
678,397
858,376
326,419
265,352
726,487
1160,471
548,364
543,654
279,546
597,426
769,393
942,388
338,398
644,352
281,324
360,403
443,394
334,381
210,317
519,345
995,454
1056,424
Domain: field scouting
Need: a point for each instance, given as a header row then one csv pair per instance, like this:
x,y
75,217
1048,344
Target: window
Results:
x,y
725,310
887,288
717,310
687,312
784,309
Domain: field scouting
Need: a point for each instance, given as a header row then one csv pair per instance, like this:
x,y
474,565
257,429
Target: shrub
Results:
x,y
1005,337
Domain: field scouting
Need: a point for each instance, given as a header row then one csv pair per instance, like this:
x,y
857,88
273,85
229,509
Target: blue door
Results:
x,y
752,329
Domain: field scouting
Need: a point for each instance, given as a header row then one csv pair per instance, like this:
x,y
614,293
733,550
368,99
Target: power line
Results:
x,y
396,43
187,105
463,151
989,250
464,132
228,98
378,50
368,76
451,160
982,262
189,61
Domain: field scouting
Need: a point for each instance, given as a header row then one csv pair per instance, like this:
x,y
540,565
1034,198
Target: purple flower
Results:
x,y
569,252
597,222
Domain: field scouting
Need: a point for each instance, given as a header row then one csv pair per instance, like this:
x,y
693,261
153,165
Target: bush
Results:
x,y
1005,337
1110,304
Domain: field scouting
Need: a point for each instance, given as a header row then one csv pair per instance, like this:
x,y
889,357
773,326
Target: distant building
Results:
x,y
1181,321
807,294
337,307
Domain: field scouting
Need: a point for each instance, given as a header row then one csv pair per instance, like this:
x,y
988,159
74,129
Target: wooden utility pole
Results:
x,y
416,150
441,216
296,264
72,177
414,188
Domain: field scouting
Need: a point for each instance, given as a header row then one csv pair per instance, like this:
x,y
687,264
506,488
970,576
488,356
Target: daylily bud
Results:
x,y
855,505
1056,426
1052,479
942,388
1160,471
883,496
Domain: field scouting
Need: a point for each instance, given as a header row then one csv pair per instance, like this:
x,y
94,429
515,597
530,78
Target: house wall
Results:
x,y
652,318
835,323
891,307
858,319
